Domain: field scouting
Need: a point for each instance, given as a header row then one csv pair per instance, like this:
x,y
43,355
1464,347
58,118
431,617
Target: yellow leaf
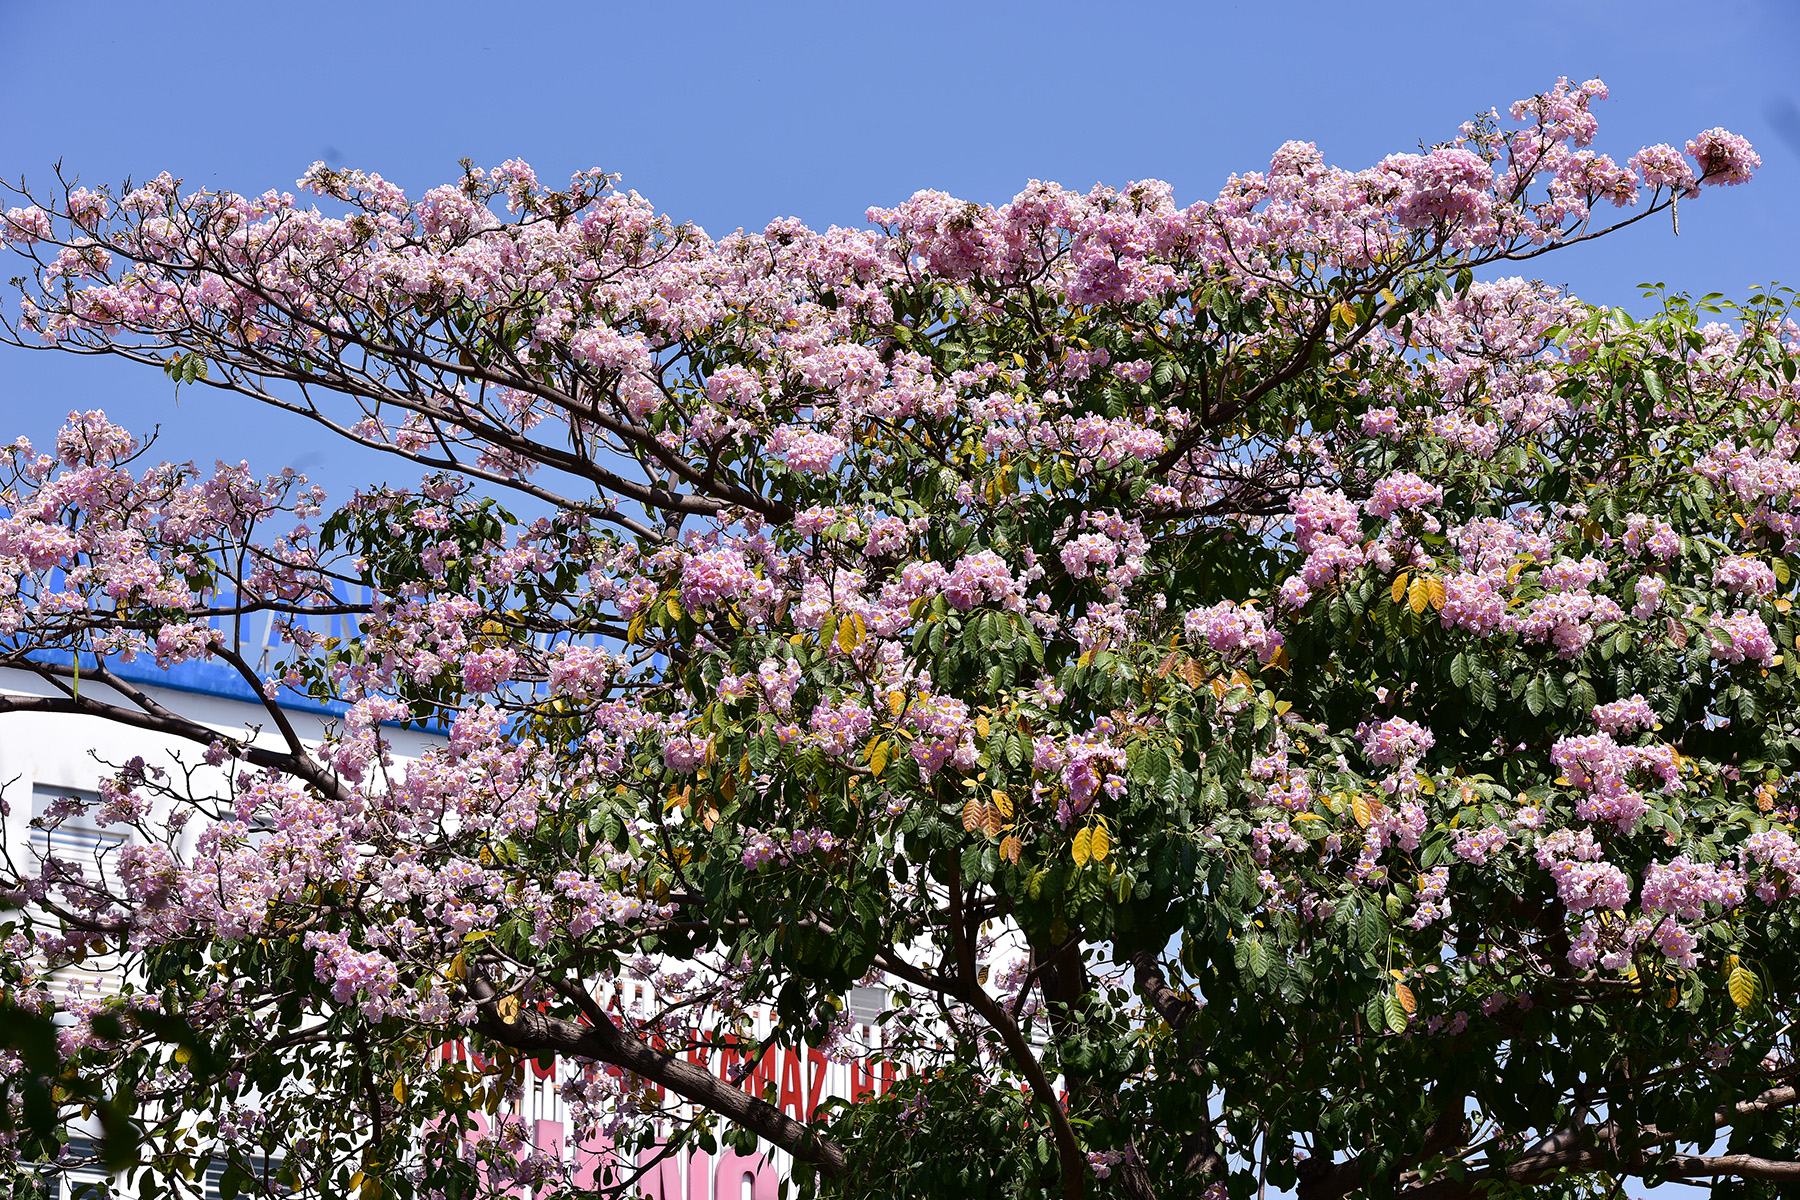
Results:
x,y
400,1091
635,630
1099,844
1003,803
896,703
1404,994
1438,595
459,967
674,607
1399,591
878,757
982,726
508,1008
1742,986
1009,849
1083,847
183,1054
849,633
1419,595
1782,604
973,814
1359,807
1281,707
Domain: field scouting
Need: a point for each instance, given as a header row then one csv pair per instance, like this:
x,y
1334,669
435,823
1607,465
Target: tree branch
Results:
x,y
536,1033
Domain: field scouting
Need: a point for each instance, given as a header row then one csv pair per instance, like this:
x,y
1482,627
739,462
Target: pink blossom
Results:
x,y
1473,602
1395,741
1624,716
840,726
981,576
1742,637
714,576
1742,575
1321,516
1402,492
1724,157
1231,630
684,754
1684,888
1381,422
1662,166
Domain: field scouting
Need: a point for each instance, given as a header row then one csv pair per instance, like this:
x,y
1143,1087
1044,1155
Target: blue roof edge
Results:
x,y
203,679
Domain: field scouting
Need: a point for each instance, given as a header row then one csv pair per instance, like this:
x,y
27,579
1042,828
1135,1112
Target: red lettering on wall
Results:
x,y
793,1091
821,1068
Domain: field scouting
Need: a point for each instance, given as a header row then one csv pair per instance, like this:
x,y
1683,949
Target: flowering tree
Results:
x,y
1274,710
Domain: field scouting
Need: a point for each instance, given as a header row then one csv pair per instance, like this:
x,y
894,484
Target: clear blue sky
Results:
x,y
731,114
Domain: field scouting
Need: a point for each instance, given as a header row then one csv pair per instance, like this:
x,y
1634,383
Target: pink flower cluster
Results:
x,y
1233,630
1622,717
1475,603
1085,763
1567,619
1742,575
714,576
1742,637
761,849
982,576
1601,769
1661,541
1396,742
807,451
1684,888
840,726
684,754
1724,157
1402,492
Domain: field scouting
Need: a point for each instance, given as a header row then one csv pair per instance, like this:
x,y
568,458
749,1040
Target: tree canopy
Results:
x,y
1275,709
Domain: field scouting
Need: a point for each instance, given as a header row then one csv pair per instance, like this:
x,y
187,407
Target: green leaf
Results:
x,y
1258,956
1459,671
1534,695
1394,1011
1372,927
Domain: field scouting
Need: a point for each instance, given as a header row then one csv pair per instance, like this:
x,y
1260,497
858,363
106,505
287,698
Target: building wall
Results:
x,y
43,756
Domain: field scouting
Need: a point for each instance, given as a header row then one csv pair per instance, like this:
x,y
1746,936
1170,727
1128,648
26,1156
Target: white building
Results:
x,y
47,756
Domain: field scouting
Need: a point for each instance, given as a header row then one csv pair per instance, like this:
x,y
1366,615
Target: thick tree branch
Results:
x,y
535,1033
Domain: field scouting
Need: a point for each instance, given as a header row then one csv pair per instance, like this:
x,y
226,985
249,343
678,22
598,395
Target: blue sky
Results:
x,y
732,114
